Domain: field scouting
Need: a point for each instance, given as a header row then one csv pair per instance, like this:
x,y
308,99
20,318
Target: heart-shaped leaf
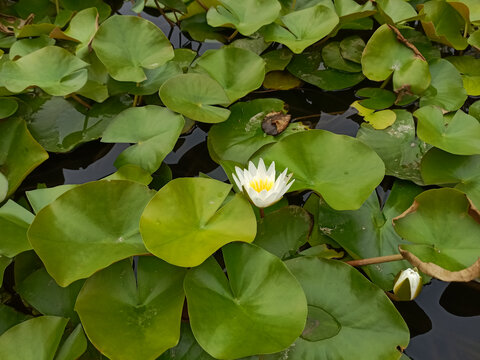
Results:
x,y
345,177
332,58
469,67
24,47
133,316
88,228
155,129
14,222
187,220
73,346
122,52
253,312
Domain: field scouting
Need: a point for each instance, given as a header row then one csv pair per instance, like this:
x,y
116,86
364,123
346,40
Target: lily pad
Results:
x,y
14,222
19,153
8,107
281,80
368,231
474,39
187,348
51,68
155,129
459,134
187,221
246,16
377,99
442,168
103,9
124,56
332,58
82,28
373,330
381,119
345,177
133,316
10,317
253,312
77,235
351,48
468,66
277,60
4,262
39,198
395,11
302,28
238,138
397,145
194,95
239,71
443,229
24,47
73,346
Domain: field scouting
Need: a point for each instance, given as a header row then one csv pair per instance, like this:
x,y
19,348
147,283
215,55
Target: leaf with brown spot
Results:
x,y
275,122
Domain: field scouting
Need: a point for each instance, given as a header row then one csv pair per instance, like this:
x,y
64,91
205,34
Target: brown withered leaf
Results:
x,y
275,122
9,23
433,270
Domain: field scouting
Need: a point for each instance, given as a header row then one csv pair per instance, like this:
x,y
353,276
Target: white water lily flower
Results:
x,y
260,184
408,284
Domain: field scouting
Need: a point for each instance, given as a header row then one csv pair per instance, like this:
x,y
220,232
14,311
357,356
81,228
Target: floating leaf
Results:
x,y
381,119
459,134
19,153
4,262
3,187
281,80
377,99
8,107
124,56
443,228
187,348
24,47
277,60
186,221
302,28
395,11
239,71
332,58
14,222
246,16
238,138
397,145
88,228
352,47
193,95
253,312
39,198
155,129
468,66
10,317
131,172
74,346
368,231
346,314
82,28
51,68
104,10
345,178
133,316
474,39
442,168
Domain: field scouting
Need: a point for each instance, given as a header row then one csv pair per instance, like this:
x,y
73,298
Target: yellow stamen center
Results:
x,y
261,184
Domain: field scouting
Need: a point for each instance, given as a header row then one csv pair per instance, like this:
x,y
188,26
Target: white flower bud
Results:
x,y
407,284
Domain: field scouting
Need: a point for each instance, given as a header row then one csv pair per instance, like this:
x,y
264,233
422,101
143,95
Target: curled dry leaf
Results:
x,y
275,122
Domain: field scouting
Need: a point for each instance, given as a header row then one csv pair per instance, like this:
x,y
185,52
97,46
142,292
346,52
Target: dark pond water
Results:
x,y
444,320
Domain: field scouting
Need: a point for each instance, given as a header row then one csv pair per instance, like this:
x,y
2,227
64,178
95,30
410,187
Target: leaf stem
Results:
x,y
170,22
199,2
135,101
230,38
80,101
386,81
294,4
262,212
57,6
375,260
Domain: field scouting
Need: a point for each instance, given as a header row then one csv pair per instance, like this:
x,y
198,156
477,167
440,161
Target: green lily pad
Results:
x,y
187,348
395,11
302,28
43,334
381,119
352,47
88,228
246,16
474,39
155,129
10,317
73,346
442,229
19,153
253,312
104,10
442,168
350,11
24,47
284,231
459,134
14,222
39,198
469,9
397,145
377,99
51,68
277,60
133,317
238,138
474,110
333,58
185,222
4,262
348,316
446,89
193,95
198,28
124,56
412,77
3,187
368,231
281,80
239,71
8,106
82,28
468,66
132,173
345,178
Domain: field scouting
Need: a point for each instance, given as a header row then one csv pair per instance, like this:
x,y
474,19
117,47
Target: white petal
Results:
x,y
271,172
239,172
237,182
252,169
285,189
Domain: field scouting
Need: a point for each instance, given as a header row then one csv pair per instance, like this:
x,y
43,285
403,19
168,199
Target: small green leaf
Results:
x,y
381,119
14,222
8,107
377,99
26,46
332,58
74,346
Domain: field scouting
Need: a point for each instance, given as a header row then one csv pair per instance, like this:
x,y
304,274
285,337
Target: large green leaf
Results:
x,y
302,28
348,316
88,228
82,28
155,129
246,16
19,153
14,222
131,316
442,228
39,198
239,71
127,45
193,95
442,168
74,5
253,312
397,145
37,338
368,231
341,169
238,138
332,58
459,134
185,222
73,346
24,47
187,348
394,11
469,67
8,106
10,317
51,68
